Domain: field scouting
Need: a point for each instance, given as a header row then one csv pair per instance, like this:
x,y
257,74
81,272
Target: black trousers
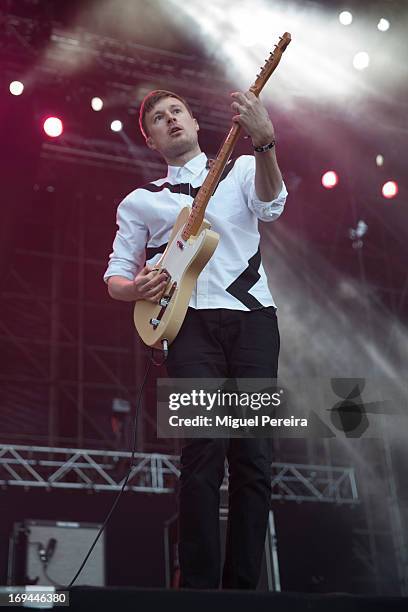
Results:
x,y
236,344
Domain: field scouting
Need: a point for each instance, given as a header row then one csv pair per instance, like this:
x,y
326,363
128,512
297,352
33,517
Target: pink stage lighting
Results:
x,y
390,189
53,127
330,179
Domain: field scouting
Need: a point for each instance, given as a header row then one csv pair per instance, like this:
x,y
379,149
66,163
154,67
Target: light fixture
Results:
x,y
330,179
383,25
361,60
53,127
116,125
16,88
390,189
97,104
345,18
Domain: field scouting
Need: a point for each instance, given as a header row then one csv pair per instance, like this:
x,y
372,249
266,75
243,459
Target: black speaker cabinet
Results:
x,y
50,553
269,579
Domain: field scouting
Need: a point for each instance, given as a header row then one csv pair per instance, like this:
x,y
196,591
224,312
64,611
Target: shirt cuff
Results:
x,y
267,211
120,268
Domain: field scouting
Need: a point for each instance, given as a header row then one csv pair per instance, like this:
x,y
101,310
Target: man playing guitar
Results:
x,y
230,329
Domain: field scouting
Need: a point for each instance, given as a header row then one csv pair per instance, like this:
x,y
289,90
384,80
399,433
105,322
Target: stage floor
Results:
x,y
144,600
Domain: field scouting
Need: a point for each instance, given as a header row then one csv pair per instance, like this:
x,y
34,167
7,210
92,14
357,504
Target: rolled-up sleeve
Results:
x,y
265,211
128,255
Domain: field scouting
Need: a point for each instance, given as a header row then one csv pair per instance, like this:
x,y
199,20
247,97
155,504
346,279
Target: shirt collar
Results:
x,y
192,168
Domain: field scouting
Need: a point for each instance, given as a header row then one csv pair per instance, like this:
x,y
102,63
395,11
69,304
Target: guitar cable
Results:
x,y
134,442
165,349
204,458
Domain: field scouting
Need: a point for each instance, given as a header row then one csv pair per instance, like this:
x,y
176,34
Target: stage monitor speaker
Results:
x,y
50,553
269,579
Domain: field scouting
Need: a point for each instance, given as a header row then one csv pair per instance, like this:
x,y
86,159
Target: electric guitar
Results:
x,y
192,242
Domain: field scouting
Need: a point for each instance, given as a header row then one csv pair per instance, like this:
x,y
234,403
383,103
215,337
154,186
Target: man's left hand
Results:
x,y
253,117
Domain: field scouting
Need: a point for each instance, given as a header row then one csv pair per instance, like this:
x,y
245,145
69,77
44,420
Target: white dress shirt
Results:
x,y
234,277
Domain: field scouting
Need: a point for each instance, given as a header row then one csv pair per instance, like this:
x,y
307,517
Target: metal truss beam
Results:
x,y
111,57
98,470
304,482
117,63
100,153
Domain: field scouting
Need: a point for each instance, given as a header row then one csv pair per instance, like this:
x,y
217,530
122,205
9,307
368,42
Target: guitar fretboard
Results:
x,y
211,181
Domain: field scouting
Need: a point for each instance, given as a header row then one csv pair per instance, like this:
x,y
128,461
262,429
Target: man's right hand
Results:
x,y
149,284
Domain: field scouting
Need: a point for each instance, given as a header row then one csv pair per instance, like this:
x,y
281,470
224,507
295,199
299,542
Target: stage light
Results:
x,y
330,179
383,25
97,104
379,160
53,127
16,88
361,60
345,18
116,125
390,189
359,231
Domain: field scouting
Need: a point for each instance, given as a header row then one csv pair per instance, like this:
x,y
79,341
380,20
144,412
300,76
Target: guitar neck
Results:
x,y
201,200
211,181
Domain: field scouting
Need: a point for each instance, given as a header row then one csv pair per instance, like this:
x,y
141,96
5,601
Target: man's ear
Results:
x,y
150,143
196,124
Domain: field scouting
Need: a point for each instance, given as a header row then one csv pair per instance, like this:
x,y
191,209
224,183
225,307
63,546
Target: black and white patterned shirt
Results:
x,y
234,277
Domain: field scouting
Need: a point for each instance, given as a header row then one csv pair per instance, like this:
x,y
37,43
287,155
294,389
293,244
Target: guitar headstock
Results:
x,y
271,63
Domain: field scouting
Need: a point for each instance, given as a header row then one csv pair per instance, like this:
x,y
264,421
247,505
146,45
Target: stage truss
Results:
x,y
98,470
